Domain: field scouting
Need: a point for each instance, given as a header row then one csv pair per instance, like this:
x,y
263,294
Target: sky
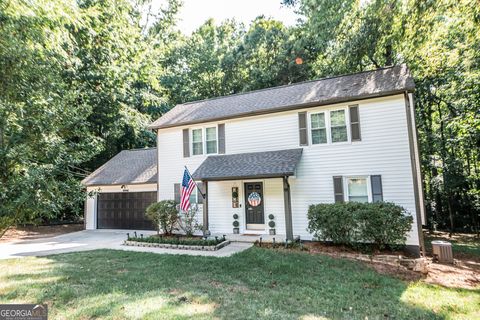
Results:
x,y
195,12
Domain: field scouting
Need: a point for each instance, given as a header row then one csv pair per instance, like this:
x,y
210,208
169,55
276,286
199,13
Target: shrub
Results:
x,y
178,240
236,224
384,223
349,223
271,224
235,216
164,215
187,221
271,216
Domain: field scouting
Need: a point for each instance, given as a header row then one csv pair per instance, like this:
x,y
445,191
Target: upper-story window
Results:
x,y
197,142
328,127
338,125
211,139
319,128
204,140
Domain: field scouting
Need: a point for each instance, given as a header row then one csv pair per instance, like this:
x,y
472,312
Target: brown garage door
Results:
x,y
124,210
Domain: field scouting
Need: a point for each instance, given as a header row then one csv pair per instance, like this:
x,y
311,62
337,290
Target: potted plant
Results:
x,y
236,224
271,224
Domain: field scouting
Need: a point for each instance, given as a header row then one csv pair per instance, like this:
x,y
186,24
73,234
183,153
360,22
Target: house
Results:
x,y
274,152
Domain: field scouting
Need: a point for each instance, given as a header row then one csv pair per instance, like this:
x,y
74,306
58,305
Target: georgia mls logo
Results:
x,y
254,199
23,312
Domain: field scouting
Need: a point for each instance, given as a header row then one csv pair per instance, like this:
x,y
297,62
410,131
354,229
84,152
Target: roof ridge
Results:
x,y
288,85
139,149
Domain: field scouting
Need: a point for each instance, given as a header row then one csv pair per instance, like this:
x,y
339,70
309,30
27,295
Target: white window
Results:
x,y
319,128
357,189
197,142
338,126
211,139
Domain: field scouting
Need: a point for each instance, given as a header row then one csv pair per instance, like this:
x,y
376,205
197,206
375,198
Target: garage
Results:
x,y
125,210
120,191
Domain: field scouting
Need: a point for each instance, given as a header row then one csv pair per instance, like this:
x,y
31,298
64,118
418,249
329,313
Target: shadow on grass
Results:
x,y
254,284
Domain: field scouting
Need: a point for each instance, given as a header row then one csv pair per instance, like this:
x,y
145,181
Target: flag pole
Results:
x,y
196,185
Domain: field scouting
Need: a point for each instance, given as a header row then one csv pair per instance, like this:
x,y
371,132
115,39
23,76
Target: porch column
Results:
x,y
288,208
205,207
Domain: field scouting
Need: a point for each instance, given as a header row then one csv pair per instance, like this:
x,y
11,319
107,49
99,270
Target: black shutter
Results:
x,y
176,193
221,138
186,143
302,128
354,123
377,192
338,189
199,194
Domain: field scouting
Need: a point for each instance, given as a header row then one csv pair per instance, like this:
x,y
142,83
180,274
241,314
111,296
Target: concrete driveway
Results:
x,y
99,239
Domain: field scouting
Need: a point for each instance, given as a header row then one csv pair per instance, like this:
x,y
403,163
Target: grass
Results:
x,y
255,284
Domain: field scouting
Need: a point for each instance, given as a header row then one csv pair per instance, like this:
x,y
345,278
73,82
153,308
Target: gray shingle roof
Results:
x,y
127,167
356,86
267,164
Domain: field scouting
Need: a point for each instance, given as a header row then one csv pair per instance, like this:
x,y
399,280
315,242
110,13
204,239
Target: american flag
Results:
x,y
187,187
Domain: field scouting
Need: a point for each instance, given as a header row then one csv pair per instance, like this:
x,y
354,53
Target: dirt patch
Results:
x,y
38,232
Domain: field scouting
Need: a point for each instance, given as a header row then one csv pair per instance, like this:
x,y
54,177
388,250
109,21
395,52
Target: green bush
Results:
x,y
236,224
271,224
164,215
351,223
235,216
384,223
177,240
271,216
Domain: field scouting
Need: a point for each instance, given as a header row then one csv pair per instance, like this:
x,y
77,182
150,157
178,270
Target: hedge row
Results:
x,y
182,241
350,223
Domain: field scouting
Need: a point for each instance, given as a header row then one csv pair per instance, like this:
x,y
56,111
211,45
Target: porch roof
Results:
x,y
268,164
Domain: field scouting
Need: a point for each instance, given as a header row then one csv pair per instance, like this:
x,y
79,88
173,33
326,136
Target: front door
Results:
x,y
254,205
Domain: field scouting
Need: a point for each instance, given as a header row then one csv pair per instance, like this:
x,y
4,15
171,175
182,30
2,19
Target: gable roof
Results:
x,y
267,164
369,84
127,167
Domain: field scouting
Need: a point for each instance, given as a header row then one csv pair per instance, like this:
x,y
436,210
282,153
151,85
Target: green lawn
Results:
x,y
255,284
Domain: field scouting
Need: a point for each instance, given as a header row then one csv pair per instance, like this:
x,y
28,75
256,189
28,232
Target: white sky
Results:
x,y
195,12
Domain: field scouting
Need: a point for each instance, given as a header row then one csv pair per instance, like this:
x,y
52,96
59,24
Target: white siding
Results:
x,y
384,151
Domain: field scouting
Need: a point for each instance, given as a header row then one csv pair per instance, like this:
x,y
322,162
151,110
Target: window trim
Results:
x,y
347,123
369,186
328,126
216,139
204,139
191,143
311,129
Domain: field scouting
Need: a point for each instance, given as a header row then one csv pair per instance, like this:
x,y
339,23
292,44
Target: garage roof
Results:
x,y
134,166
369,84
269,164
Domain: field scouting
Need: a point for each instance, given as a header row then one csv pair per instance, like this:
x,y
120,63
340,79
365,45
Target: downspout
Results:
x,y
415,162
158,167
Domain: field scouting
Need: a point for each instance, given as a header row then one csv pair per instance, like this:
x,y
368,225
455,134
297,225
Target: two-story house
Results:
x,y
274,152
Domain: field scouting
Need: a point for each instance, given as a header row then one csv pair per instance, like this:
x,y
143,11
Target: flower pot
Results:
x,y
236,230
272,232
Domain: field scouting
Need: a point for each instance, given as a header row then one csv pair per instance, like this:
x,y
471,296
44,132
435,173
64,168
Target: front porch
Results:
x,y
247,195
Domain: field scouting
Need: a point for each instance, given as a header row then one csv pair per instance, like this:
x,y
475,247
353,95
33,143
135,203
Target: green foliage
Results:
x,y
271,216
236,224
383,223
235,216
164,215
271,224
347,223
179,240
188,222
